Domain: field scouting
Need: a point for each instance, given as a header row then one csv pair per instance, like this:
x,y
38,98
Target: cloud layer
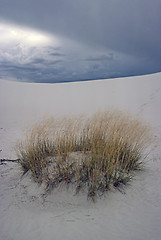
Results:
x,y
59,40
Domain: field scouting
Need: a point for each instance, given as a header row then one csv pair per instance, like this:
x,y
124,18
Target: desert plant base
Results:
x,y
94,153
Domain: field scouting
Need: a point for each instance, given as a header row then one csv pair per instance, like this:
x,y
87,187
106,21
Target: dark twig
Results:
x,y
9,160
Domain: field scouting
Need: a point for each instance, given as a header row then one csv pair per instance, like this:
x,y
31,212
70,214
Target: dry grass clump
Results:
x,y
94,153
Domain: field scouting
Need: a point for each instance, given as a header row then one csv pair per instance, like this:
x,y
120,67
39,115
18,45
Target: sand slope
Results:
x,y
25,214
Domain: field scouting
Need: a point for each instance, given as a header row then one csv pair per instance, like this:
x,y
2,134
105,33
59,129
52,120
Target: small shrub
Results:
x,y
93,153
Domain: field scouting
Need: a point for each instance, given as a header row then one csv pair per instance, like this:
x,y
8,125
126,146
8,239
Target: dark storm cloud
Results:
x,y
129,31
44,62
56,54
38,70
108,57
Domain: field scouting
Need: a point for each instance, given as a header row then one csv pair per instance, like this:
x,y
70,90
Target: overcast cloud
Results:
x,y
68,40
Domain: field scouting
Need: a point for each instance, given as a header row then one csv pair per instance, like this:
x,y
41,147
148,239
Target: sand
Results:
x,y
132,213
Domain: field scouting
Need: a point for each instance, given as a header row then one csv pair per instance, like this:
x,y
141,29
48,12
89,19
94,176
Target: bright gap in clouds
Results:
x,y
11,33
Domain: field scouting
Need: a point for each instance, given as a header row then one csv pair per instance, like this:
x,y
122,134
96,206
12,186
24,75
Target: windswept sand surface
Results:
x,y
134,213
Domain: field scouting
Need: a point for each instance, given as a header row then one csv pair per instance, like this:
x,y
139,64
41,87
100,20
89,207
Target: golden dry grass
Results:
x,y
93,153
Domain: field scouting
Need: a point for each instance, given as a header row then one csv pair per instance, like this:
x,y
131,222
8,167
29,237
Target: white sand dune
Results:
x,y
25,214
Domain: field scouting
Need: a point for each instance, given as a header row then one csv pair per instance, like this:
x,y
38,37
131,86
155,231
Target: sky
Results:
x,y
75,40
